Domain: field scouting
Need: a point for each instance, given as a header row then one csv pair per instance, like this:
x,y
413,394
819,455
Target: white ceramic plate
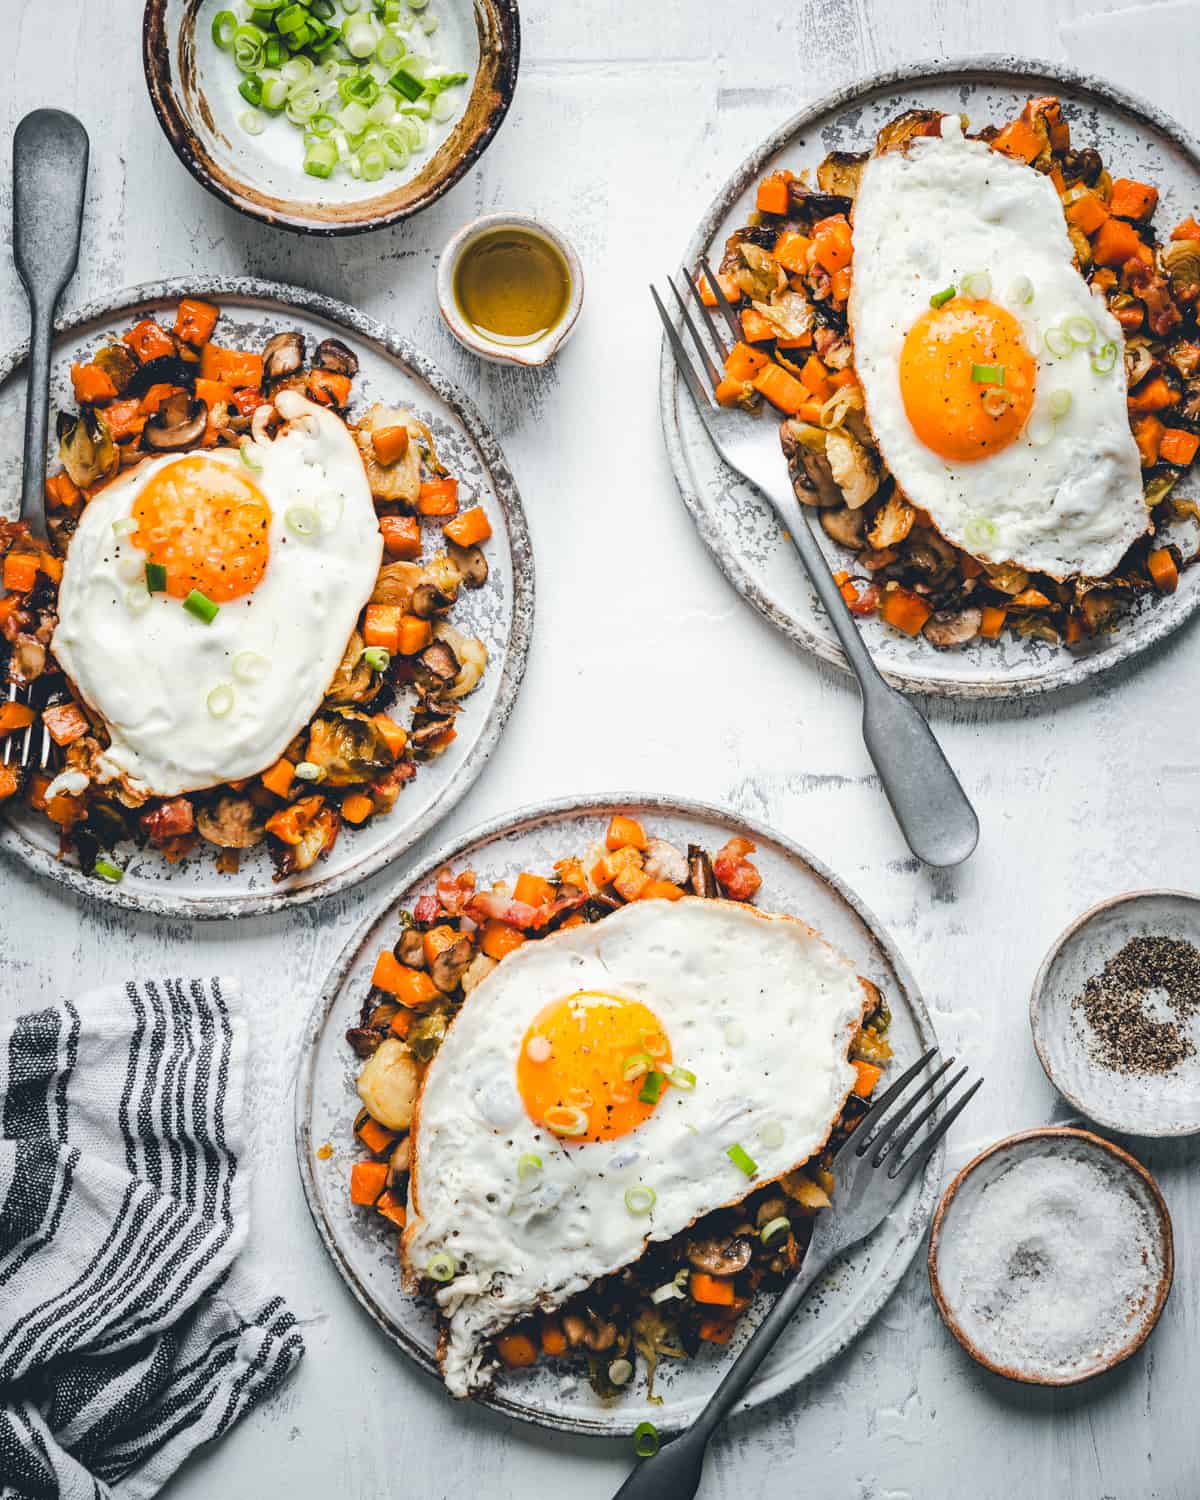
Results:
x,y
501,612
363,1247
741,530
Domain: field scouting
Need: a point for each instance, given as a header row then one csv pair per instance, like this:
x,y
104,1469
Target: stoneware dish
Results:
x,y
363,1247
501,612
1051,1256
741,529
538,352
1138,1104
193,87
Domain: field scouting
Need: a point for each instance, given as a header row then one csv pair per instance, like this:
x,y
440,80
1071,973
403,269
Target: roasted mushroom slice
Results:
x,y
472,658
409,948
86,447
428,730
804,448
700,873
845,526
332,355
439,662
471,564
953,627
448,968
397,583
180,422
719,1255
1099,609
428,601
231,823
27,660
283,355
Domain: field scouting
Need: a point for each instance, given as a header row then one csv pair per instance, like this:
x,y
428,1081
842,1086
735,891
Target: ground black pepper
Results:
x,y
1138,1007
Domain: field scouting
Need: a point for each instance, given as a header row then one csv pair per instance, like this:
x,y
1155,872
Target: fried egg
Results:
x,y
999,409
283,541
598,1091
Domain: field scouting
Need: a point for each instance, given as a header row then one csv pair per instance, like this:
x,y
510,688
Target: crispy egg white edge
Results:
x,y
1028,542
354,564
461,1359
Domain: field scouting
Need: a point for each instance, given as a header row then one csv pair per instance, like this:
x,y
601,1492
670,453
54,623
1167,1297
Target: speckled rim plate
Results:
x,y
1151,1105
501,612
1122,1162
363,1251
741,531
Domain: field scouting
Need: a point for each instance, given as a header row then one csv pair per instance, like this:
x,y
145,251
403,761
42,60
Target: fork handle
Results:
x,y
50,160
935,817
674,1472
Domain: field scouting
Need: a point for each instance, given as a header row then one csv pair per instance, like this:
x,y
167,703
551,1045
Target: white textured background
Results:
x,y
648,671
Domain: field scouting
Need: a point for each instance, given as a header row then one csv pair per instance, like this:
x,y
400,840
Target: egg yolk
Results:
x,y
953,411
207,524
573,1064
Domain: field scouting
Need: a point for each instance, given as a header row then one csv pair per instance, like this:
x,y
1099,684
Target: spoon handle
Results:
x,y
50,161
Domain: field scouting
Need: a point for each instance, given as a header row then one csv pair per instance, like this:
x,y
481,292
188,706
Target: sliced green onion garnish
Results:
x,y
770,1133
650,1090
358,36
389,50
668,1292
359,88
249,666
137,600
1104,359
202,607
405,83
249,457
274,94
290,19
320,158
681,1078
528,1165
353,119
742,1160
429,24
645,1440
297,69
1041,432
939,299
131,570
1021,290
440,1267
1059,403
106,870
220,700
302,521
377,658
620,1371
372,163
772,1228
156,577
252,122
979,531
308,771
636,1064
996,400
735,1034
444,108
251,89
987,374
224,29
302,104
274,52
1058,341
1080,330
977,284
248,48
322,125
640,1199
125,526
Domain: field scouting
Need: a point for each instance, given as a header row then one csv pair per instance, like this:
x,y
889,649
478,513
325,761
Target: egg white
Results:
x,y
925,217
759,1007
149,674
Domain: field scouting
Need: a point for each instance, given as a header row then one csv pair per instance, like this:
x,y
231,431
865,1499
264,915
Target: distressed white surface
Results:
x,y
647,670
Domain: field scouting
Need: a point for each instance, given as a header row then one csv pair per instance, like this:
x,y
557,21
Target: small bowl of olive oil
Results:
x,y
510,289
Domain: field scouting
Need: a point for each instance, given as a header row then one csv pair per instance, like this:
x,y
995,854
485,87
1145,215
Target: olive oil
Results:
x,y
512,286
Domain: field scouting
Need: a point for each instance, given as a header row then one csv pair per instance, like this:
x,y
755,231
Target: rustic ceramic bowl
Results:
x,y
541,350
1136,1103
193,88
1051,1256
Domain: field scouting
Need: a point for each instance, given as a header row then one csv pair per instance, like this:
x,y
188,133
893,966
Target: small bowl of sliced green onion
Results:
x,y
330,116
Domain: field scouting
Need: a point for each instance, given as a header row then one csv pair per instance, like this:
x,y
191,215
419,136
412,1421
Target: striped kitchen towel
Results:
x,y
129,1331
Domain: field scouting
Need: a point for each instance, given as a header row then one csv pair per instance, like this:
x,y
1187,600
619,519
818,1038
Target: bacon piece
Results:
x,y
170,820
739,879
454,891
1144,282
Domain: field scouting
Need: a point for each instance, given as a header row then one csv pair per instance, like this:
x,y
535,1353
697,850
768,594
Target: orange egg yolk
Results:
x,y
960,417
207,524
574,1058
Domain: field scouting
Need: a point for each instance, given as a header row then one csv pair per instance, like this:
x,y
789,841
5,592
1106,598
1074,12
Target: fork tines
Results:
x,y
883,1142
704,350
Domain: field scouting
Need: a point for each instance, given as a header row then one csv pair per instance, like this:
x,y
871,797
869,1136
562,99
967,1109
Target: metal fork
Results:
x,y
925,795
50,161
871,1172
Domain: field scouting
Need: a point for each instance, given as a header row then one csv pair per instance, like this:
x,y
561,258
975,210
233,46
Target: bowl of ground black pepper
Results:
x,y
1115,1013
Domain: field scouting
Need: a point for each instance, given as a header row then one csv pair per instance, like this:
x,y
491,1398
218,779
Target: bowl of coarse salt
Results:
x,y
1051,1256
